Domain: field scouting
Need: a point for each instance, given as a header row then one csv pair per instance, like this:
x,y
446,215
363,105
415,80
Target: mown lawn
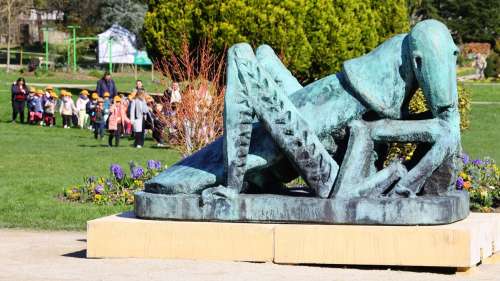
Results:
x,y
37,163
484,92
125,82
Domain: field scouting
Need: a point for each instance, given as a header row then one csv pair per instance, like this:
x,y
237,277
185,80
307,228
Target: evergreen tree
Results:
x,y
313,37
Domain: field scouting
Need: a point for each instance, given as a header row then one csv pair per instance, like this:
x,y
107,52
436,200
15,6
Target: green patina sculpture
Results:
x,y
333,133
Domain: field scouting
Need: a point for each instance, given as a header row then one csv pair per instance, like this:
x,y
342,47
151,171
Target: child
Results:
x,y
99,121
126,103
45,98
90,109
158,124
117,120
50,108
36,108
29,98
67,108
81,108
107,105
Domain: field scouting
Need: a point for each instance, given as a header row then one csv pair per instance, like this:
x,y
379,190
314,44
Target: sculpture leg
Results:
x,y
238,119
238,113
433,131
355,178
287,127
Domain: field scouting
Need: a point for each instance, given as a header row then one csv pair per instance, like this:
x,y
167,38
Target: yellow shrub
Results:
x,y
418,104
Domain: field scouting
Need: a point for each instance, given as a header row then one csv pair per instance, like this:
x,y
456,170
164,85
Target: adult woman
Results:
x,y
19,92
139,113
117,120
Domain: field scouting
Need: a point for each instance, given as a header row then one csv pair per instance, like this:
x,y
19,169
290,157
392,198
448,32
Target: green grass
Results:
x,y
125,82
37,163
484,92
483,136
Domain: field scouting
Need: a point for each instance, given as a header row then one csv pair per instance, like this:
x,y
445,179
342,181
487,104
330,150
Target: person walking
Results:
x,y
19,93
106,84
139,113
67,108
117,120
81,108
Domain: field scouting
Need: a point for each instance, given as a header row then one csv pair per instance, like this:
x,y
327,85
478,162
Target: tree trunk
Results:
x,y
9,5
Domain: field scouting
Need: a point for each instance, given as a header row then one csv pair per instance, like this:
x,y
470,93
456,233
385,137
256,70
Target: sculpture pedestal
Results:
x,y
269,208
462,244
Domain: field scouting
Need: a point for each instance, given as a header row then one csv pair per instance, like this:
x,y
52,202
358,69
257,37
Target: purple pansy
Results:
x,y
99,189
465,158
137,172
154,165
460,183
477,162
117,171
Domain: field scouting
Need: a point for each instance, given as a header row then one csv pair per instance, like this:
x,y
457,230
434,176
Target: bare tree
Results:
x,y
12,9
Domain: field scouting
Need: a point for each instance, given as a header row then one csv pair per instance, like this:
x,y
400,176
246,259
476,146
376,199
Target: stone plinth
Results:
x,y
422,210
462,244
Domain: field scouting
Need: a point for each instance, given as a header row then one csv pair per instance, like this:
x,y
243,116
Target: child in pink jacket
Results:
x,y
117,120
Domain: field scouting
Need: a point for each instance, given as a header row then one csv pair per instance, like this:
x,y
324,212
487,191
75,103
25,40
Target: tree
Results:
x,y
469,20
127,13
12,9
313,37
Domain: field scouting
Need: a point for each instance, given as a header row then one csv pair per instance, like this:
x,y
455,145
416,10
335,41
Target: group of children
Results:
x,y
97,113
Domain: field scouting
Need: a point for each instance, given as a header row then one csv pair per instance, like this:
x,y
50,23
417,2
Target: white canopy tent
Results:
x,y
117,45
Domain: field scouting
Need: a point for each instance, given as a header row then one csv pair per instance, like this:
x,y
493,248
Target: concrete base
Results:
x,y
462,244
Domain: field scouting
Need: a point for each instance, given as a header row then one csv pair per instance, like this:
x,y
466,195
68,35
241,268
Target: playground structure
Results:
x,y
114,46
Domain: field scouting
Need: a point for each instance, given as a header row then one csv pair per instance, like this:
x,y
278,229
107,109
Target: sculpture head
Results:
x,y
434,57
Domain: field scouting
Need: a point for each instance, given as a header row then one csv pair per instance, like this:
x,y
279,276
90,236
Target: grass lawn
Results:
x,y
125,82
484,92
483,136
37,163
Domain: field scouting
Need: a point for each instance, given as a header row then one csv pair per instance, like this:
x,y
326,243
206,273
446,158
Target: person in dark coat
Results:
x,y
19,93
106,84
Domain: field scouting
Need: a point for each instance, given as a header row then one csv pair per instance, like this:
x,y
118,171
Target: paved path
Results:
x,y
53,256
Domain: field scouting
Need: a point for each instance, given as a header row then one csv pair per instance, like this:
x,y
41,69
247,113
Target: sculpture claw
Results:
x,y
211,194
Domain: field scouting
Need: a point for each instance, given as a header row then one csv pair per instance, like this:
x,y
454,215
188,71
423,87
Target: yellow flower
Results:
x,y
97,197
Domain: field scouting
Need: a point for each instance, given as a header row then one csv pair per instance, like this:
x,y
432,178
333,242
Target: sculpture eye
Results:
x,y
455,53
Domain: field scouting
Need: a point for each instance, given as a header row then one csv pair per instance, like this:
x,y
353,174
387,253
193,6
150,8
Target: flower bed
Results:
x,y
481,178
116,189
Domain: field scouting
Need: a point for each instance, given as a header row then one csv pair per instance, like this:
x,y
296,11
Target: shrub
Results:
x,y
116,189
481,178
493,66
197,120
312,37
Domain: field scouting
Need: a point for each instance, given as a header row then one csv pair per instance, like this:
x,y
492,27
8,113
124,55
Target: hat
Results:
x,y
53,94
117,99
106,94
39,92
49,87
84,92
32,89
131,96
95,96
